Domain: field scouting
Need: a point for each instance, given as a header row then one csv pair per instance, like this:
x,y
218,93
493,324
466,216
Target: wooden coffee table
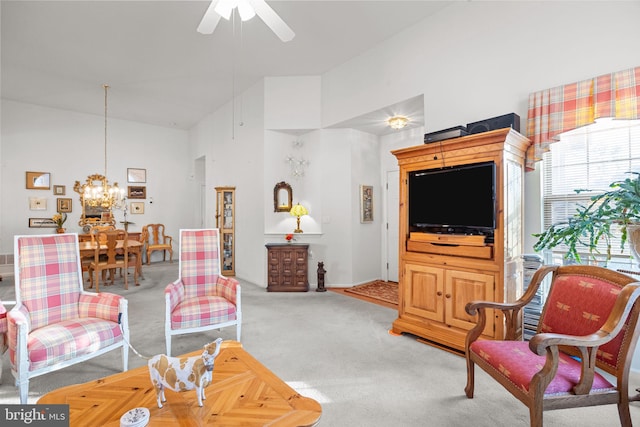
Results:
x,y
243,393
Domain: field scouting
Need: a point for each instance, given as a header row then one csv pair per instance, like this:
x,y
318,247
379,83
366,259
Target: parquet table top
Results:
x,y
243,393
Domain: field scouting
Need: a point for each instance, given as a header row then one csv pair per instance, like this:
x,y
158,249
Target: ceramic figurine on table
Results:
x,y
183,373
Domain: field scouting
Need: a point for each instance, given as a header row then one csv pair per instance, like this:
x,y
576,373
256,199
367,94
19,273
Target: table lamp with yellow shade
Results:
x,y
298,210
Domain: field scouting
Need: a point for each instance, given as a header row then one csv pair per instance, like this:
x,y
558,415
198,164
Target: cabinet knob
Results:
x,y
439,293
447,296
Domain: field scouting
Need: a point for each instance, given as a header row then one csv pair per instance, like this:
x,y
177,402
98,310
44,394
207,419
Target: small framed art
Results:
x,y
137,207
366,203
63,204
59,190
38,181
37,203
42,223
136,175
137,192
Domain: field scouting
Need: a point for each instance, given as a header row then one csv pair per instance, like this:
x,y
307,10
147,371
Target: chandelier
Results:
x,y
97,192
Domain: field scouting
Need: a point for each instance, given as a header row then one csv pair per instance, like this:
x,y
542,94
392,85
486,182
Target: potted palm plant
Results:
x,y
612,213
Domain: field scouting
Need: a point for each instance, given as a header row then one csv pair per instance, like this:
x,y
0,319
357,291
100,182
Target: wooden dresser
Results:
x,y
287,267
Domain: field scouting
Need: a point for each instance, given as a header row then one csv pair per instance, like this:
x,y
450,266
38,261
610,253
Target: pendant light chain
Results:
x,y
106,87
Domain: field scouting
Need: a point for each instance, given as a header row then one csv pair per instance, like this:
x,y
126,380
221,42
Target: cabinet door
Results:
x,y
462,287
422,292
225,221
227,254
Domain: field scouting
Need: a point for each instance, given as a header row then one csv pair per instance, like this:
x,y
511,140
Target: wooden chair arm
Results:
x,y
168,240
510,310
587,345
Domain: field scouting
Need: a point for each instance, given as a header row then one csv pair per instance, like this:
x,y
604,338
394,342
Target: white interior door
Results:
x,y
393,206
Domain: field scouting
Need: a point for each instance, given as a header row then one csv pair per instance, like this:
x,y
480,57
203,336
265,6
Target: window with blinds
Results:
x,y
589,159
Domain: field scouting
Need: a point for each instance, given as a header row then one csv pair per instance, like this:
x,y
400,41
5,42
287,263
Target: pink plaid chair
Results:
x,y
55,323
3,334
588,324
202,298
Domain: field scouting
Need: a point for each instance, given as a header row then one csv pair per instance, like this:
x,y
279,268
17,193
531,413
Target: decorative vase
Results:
x,y
633,237
61,230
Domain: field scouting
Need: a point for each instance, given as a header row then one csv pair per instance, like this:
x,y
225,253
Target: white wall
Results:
x,y
473,60
476,60
231,141
70,146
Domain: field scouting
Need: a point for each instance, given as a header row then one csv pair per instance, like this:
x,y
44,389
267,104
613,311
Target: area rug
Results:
x,y
377,290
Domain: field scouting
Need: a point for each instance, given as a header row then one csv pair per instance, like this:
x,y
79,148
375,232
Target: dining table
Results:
x,y
88,248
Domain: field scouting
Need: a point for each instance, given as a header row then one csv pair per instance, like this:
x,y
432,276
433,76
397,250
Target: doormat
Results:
x,y
377,290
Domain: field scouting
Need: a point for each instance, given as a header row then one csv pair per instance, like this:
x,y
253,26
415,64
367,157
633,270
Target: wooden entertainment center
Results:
x,y
440,273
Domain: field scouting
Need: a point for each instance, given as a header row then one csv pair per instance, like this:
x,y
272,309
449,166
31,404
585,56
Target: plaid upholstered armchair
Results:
x,y
201,298
55,323
588,326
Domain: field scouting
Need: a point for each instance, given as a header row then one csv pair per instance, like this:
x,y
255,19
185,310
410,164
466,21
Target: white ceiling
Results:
x,y
161,71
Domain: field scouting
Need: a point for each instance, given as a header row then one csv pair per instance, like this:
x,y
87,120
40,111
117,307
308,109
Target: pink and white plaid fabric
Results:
x,y
199,261
69,339
62,322
201,297
49,278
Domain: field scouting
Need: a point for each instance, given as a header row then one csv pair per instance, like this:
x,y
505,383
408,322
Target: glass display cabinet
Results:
x,y
226,223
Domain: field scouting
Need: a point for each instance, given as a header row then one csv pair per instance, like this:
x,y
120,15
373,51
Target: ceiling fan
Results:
x,y
247,9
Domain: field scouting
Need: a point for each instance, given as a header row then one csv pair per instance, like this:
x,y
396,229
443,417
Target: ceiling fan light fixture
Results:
x,y
245,10
397,122
225,7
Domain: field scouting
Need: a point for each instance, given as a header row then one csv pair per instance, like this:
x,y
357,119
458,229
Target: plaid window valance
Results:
x,y
559,109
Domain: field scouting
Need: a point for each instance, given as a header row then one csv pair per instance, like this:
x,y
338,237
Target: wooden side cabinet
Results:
x,y
287,267
226,223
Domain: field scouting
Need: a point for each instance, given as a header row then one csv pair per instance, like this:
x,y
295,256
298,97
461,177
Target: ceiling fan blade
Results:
x,y
209,20
273,21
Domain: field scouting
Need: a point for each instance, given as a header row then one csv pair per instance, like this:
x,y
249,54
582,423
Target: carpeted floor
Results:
x,y
378,292
329,347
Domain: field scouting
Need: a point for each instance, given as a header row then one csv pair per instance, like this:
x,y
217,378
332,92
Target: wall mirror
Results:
x,y
92,215
282,197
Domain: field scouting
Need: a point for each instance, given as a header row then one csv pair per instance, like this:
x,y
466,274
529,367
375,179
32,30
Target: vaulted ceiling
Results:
x,y
160,70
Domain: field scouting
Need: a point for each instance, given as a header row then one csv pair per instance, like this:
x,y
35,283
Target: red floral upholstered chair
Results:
x,y
589,321
201,298
55,323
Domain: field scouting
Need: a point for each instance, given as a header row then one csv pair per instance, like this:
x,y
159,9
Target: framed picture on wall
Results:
x,y
63,205
366,203
137,207
136,175
136,192
59,190
38,181
37,203
42,223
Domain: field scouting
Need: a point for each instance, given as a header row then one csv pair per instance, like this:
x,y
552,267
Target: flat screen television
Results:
x,y
456,200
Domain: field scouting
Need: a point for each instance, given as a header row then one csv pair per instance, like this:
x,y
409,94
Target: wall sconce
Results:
x,y
298,210
397,122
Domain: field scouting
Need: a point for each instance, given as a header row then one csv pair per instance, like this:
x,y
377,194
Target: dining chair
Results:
x,y
110,256
86,261
201,298
135,256
157,240
55,323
